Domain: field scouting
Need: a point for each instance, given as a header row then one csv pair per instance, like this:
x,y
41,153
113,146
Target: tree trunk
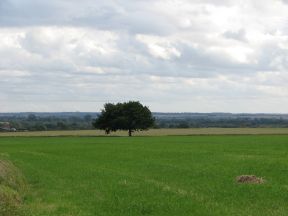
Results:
x,y
130,132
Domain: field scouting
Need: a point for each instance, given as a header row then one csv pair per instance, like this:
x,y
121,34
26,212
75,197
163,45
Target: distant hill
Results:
x,y
83,120
178,115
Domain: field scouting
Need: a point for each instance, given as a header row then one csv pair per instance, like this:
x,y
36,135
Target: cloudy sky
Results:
x,y
172,55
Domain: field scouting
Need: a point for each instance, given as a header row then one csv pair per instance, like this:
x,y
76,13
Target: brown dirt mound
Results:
x,y
249,179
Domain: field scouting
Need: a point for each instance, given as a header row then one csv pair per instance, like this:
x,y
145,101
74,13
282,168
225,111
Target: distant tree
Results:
x,y
131,116
39,127
88,118
183,125
32,117
62,126
15,124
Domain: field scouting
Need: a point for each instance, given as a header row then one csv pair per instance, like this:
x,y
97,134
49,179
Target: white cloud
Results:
x,y
219,54
159,47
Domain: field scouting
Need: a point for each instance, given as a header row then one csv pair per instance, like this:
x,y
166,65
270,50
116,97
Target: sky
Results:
x,y
171,55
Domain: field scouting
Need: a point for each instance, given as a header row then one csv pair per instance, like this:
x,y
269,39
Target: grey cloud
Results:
x,y
20,13
134,22
271,57
54,12
132,16
238,35
109,15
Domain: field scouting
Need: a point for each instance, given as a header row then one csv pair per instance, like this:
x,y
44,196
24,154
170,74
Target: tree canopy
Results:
x,y
131,116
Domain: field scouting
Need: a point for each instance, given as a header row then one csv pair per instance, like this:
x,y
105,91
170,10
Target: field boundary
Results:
x,y
153,132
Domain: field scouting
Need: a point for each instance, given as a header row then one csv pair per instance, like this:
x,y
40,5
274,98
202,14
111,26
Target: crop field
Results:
x,y
154,132
164,175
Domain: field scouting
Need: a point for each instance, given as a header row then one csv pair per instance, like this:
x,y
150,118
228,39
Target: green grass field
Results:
x,y
168,175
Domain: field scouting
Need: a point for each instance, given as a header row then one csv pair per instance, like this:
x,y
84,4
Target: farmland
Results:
x,y
153,132
163,175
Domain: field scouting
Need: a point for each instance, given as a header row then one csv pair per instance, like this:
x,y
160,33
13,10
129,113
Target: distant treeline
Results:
x,y
38,122
223,120
223,123
83,121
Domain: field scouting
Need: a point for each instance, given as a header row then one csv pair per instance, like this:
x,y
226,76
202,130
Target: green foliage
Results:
x,y
131,116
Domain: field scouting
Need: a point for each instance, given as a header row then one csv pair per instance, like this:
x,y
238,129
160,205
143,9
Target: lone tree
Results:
x,y
131,116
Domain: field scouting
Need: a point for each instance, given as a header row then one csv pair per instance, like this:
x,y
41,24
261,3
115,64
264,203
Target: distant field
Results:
x,y
159,176
157,132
